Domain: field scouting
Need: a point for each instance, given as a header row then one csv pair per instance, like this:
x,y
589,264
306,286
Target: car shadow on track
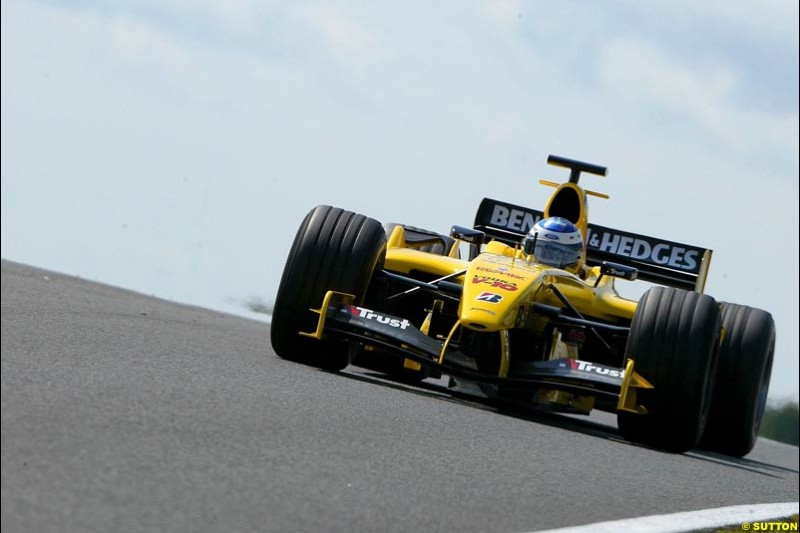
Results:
x,y
442,392
743,463
585,426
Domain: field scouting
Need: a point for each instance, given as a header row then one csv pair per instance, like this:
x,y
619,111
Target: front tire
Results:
x,y
673,341
336,250
740,396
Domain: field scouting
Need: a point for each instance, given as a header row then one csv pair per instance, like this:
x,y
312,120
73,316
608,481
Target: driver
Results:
x,y
559,242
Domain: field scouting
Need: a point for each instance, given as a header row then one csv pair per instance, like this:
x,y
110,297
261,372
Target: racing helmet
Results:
x,y
559,242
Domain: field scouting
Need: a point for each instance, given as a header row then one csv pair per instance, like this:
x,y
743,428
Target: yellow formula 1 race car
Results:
x,y
523,304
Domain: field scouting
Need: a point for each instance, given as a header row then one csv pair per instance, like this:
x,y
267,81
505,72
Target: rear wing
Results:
x,y
659,261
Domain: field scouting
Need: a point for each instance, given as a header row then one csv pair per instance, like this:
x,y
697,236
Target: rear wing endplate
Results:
x,y
659,261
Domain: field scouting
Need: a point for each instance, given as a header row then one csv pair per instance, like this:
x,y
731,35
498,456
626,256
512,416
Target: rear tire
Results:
x,y
673,341
336,250
740,396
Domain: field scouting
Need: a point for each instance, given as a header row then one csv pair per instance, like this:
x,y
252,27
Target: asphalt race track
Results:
x,y
122,412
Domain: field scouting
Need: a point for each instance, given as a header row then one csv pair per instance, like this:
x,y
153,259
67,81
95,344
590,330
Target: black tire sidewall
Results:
x,y
335,250
746,357
673,341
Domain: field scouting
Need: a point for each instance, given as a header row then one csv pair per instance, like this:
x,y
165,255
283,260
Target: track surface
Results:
x,y
125,412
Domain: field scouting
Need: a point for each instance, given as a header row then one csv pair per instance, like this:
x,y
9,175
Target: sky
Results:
x,y
173,147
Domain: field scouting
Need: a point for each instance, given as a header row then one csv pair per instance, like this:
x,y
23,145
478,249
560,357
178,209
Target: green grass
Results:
x,y
258,305
780,422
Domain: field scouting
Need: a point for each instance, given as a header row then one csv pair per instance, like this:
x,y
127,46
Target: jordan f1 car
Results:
x,y
678,368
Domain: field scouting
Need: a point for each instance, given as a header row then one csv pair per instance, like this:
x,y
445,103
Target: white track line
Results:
x,y
690,521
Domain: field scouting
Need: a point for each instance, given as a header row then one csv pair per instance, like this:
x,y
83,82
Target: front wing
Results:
x,y
339,318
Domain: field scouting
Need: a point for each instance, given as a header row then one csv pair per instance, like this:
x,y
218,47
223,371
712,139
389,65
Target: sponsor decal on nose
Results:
x,y
489,297
496,283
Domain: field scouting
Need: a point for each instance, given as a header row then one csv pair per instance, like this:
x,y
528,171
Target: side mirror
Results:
x,y
616,270
529,244
468,235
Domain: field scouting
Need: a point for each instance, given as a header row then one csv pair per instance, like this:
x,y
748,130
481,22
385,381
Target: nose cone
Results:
x,y
496,284
486,308
493,287
481,317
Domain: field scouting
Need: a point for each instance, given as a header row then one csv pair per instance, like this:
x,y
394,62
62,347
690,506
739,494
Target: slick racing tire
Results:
x,y
336,250
673,341
740,394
